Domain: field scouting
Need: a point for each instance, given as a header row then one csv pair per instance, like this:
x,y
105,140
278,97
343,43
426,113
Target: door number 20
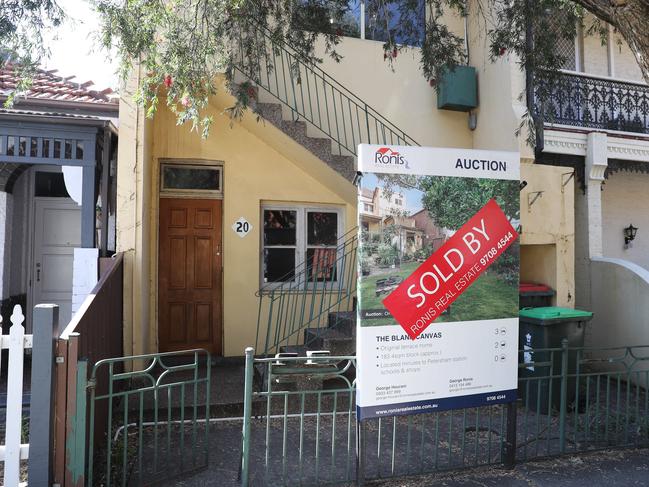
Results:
x,y
242,227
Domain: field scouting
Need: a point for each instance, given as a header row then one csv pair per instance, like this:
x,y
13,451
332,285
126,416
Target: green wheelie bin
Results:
x,y
542,328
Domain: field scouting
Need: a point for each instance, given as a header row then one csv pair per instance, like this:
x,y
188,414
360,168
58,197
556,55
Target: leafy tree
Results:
x,y
452,201
22,24
184,44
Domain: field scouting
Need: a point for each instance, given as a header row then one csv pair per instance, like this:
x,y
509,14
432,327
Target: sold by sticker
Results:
x,y
444,276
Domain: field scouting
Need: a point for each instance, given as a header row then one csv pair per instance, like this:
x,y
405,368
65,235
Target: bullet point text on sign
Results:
x,y
426,293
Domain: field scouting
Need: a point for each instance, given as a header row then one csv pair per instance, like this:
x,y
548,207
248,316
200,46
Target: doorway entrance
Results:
x,y
190,275
57,231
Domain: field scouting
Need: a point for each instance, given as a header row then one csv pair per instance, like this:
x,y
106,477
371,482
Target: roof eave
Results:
x,y
72,105
100,123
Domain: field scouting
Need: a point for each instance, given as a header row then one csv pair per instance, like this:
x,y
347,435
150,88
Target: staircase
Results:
x,y
301,314
318,146
306,103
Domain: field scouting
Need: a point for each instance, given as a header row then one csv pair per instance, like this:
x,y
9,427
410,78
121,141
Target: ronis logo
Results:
x,y
386,156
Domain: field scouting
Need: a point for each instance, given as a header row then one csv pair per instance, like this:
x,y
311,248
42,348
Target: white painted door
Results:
x,y
57,231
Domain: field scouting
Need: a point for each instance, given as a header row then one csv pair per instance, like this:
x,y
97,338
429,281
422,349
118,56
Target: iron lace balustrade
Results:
x,y
586,101
305,298
312,94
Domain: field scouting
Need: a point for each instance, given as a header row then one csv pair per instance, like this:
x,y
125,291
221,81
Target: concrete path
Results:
x,y
617,468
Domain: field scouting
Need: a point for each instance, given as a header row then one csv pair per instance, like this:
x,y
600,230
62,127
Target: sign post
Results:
x,y
437,325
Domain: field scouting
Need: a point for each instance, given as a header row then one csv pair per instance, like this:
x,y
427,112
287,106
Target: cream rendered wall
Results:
x,y
625,200
548,222
401,94
613,59
254,173
595,56
620,291
624,63
133,207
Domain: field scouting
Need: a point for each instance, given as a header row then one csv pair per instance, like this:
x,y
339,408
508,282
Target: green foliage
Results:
x,y
183,46
424,252
365,265
452,201
387,255
507,265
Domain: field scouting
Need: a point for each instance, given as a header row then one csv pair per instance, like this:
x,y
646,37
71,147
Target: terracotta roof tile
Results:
x,y
47,85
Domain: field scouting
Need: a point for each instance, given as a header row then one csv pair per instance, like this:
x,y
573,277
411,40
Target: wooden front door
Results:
x,y
189,275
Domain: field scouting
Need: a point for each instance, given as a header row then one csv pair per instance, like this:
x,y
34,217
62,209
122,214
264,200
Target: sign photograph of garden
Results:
x,y
405,219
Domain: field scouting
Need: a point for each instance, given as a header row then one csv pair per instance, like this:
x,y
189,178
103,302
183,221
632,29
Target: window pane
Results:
x,y
279,265
79,154
350,22
178,177
279,227
382,18
321,264
342,18
322,228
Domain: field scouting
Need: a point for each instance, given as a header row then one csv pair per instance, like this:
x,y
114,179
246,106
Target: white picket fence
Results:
x,y
12,452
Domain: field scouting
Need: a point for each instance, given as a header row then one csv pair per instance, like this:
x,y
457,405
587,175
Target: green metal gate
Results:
x,y
300,428
149,418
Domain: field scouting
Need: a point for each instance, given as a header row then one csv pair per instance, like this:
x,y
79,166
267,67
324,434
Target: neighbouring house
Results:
x,y
433,235
228,241
596,135
58,147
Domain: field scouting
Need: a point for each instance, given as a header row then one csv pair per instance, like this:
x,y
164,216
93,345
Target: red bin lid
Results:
x,y
532,287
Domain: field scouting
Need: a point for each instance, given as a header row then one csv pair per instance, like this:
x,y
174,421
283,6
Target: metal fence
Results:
x,y
300,425
157,422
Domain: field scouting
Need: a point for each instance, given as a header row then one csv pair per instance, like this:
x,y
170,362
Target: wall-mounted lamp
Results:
x,y
629,234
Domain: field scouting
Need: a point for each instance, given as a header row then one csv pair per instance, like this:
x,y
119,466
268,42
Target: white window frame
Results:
x,y
301,245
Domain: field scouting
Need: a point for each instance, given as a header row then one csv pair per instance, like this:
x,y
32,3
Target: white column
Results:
x,y
596,164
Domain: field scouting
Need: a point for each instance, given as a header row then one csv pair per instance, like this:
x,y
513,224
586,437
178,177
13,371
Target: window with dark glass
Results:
x,y
191,178
297,241
380,20
395,21
280,245
322,236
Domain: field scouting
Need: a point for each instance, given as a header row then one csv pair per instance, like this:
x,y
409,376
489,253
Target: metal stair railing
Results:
x,y
304,298
311,93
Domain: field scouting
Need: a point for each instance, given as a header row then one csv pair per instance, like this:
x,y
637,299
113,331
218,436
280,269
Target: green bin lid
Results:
x,y
553,313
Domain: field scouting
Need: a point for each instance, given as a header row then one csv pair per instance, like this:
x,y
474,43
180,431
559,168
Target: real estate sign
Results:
x,y
437,320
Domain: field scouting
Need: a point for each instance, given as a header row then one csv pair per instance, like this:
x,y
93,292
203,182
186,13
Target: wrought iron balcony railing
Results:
x,y
585,101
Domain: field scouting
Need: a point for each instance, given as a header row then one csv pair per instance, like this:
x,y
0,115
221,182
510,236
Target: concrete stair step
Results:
x,y
321,147
343,321
337,342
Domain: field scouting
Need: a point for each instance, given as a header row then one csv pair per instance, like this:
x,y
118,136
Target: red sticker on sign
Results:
x,y
426,293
